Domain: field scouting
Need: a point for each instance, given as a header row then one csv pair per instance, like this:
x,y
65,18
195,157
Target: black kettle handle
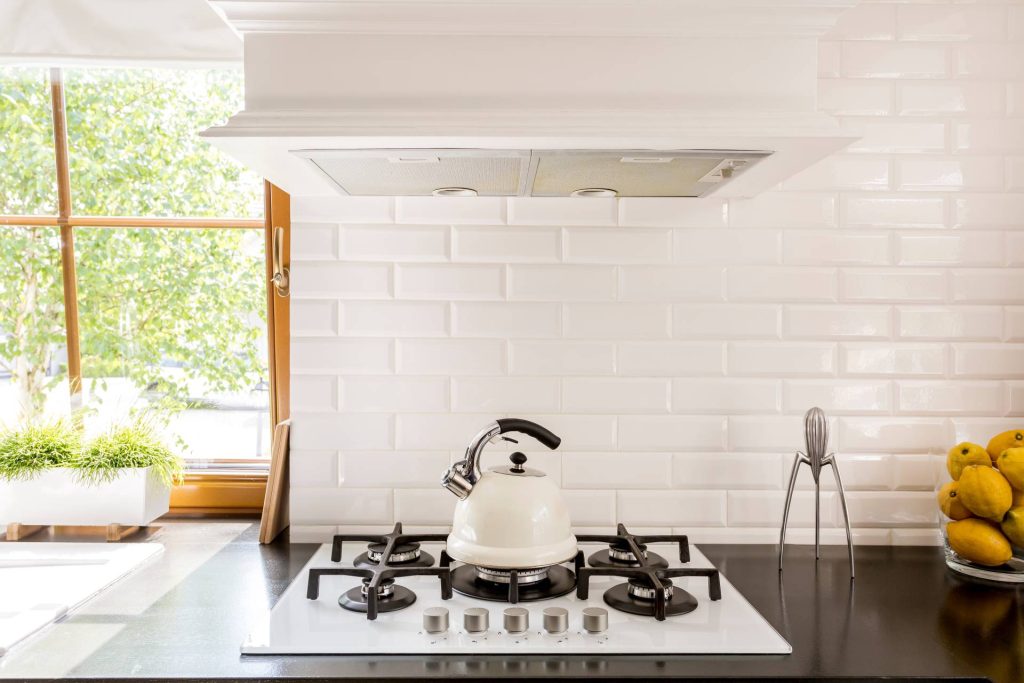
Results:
x,y
515,424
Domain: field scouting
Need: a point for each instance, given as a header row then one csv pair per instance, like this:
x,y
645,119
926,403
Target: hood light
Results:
x,y
594,192
454,192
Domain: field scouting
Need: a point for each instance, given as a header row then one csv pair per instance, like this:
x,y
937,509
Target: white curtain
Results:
x,y
116,33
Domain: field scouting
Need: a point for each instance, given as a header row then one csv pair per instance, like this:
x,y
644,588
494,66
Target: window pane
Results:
x,y
176,315
33,356
135,148
28,175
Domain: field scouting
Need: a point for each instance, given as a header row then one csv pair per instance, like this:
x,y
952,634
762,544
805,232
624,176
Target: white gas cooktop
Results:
x,y
297,625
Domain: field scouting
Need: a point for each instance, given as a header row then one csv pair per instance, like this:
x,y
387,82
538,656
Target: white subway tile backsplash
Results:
x,y
686,508
312,468
562,211
987,285
885,59
974,248
917,472
616,470
892,434
506,319
507,245
432,505
835,247
837,322
394,394
891,508
337,431
654,432
951,22
451,356
661,359
669,283
561,283
314,241
340,209
837,396
773,433
865,22
473,282
852,96
451,210
615,395
892,359
394,243
505,394
728,397
593,432
591,508
314,318
988,136
781,359
919,211
393,318
950,398
319,506
784,210
764,509
398,469
999,361
898,136
672,212
617,245
727,471
616,321
990,60
951,174
561,358
780,284
350,356
343,280
860,472
717,245
893,285
736,321
989,210
928,98
436,431
949,322
312,393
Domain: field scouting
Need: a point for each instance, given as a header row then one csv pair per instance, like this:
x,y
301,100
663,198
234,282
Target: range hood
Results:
x,y
552,98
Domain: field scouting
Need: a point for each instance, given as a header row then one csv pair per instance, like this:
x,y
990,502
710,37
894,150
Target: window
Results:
x,y
132,259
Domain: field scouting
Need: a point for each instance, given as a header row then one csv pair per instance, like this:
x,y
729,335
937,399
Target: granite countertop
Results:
x,y
183,615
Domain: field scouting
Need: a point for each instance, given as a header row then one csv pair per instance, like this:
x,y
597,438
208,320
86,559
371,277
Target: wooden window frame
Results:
x,y
212,492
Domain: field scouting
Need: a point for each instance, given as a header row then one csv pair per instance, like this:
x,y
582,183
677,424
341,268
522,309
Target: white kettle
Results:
x,y
511,516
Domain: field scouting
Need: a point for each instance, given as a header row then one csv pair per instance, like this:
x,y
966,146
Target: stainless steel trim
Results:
x,y
623,555
385,590
409,556
595,619
476,620
435,619
647,592
556,620
524,576
516,619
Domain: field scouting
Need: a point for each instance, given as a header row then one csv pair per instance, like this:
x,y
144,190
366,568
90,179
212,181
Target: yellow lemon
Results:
x,y
1013,526
1000,442
1018,498
979,541
1011,464
985,492
964,454
950,504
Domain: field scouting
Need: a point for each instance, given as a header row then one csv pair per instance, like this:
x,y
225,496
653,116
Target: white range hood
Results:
x,y
639,98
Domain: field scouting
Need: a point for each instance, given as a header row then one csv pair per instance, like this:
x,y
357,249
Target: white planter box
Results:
x,y
56,496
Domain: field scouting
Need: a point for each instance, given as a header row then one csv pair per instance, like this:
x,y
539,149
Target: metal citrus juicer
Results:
x,y
816,457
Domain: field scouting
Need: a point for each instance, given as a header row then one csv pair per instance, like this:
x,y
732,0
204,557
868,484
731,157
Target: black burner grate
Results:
x,y
559,581
378,574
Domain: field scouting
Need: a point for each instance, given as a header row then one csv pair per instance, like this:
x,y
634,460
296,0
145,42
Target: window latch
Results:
x,y
280,279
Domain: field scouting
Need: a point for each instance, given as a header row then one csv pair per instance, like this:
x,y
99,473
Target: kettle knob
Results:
x,y
518,460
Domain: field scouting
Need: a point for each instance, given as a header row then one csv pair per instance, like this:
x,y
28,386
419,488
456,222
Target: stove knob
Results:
x,y
517,620
435,619
475,620
595,619
556,620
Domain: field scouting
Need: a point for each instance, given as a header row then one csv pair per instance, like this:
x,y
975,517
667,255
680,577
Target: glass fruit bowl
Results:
x,y
1010,572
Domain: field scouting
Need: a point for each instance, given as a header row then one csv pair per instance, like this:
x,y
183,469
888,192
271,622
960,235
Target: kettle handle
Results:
x,y
515,424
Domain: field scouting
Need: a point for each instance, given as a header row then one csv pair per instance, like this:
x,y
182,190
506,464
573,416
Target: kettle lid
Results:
x,y
517,468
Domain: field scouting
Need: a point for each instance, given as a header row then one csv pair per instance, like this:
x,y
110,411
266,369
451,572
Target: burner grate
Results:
x,y
514,585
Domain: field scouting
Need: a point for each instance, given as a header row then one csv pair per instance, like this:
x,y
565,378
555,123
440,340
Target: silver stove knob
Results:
x,y
476,620
595,619
435,619
517,619
556,620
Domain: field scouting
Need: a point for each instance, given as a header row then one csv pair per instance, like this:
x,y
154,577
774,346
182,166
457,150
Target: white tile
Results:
x,y
1014,252
860,472
676,433
337,431
837,322
975,248
951,174
726,471
732,321
672,212
916,472
892,359
427,506
1015,399
757,283
894,211
855,96
312,506
506,319
670,283
892,60
313,393
617,245
352,356
435,431
892,434
594,432
591,508
978,430
995,136
314,241
339,209
394,243
987,285
828,58
675,508
865,22
896,136
616,321
451,210
999,361
951,22
507,244
561,283
615,395
716,245
781,360
837,396
1015,165
891,508
927,536
892,285
505,394
349,280
835,247
784,210
308,533
451,356
764,508
923,98
472,282
950,398
1014,323
562,211
394,318
666,359
726,396
312,468
616,470
773,433
989,60
393,394
950,322
983,210
314,318
711,535
561,358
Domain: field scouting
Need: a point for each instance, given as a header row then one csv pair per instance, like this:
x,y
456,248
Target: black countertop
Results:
x,y
184,615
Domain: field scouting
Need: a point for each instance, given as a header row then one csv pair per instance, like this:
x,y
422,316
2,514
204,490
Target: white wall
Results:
x,y
675,345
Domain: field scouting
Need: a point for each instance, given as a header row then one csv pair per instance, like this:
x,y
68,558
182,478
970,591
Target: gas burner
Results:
x,y
513,585
379,592
649,590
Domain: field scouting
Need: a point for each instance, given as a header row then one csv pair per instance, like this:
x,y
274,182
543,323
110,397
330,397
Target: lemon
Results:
x,y
1018,498
985,492
964,454
979,541
950,504
1013,526
1000,442
1011,464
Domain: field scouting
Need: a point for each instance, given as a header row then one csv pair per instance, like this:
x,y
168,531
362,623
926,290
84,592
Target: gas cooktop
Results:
x,y
402,594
